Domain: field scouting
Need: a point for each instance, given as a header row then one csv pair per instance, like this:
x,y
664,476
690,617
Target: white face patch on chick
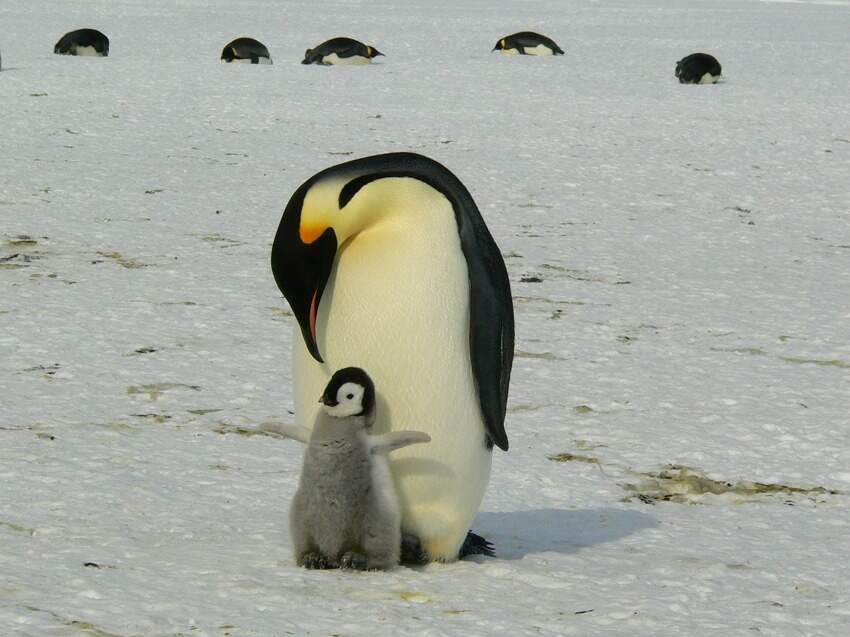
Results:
x,y
349,401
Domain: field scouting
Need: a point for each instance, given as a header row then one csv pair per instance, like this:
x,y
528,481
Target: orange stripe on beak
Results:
x,y
309,233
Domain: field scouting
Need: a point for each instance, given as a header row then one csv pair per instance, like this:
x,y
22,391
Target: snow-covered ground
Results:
x,y
679,422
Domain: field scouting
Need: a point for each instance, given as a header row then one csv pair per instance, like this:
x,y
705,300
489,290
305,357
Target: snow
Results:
x,y
692,245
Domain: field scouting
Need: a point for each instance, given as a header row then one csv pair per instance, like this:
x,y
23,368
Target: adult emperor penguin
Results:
x,y
387,264
527,43
698,68
247,51
340,51
90,42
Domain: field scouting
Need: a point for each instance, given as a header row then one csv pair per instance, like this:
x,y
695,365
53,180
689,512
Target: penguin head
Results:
x,y
350,392
372,52
335,205
500,45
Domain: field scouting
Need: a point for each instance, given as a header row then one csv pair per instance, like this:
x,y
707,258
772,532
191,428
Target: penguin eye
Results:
x,y
350,396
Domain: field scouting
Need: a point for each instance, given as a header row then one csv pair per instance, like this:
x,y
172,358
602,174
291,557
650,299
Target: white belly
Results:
x,y
540,49
88,51
708,78
333,58
397,306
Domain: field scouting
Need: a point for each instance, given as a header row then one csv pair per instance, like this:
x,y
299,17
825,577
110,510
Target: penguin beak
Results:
x,y
375,52
301,271
330,401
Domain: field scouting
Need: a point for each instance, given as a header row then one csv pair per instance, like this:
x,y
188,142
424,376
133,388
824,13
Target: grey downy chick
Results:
x,y
345,513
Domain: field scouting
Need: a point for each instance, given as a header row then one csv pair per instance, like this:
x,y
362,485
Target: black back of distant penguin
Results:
x,y
245,49
691,68
68,43
343,47
528,39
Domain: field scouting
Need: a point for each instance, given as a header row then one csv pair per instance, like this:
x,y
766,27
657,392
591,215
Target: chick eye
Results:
x,y
350,396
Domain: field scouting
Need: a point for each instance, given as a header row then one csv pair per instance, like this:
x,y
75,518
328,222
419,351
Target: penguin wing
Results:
x,y
387,442
296,432
491,318
349,49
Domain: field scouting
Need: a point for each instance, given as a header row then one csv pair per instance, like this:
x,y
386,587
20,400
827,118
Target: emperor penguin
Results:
x,y
89,42
340,51
246,51
386,261
345,513
527,43
698,68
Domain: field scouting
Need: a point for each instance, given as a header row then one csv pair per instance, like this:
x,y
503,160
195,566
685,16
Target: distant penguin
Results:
x,y
246,51
340,51
698,68
90,42
345,513
386,260
527,43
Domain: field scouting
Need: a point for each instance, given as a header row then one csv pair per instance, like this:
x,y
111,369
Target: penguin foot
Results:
x,y
318,561
474,544
412,552
352,560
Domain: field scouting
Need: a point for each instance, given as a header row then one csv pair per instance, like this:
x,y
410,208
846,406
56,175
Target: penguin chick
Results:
x,y
340,51
345,513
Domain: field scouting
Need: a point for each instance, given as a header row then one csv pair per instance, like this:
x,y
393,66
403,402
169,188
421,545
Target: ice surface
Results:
x,y
680,261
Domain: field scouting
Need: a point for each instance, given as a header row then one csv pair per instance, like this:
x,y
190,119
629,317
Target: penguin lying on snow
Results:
x,y
340,51
527,43
345,513
247,51
386,260
698,68
90,42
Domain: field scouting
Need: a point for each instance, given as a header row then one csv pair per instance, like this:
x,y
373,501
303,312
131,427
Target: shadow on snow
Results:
x,y
516,534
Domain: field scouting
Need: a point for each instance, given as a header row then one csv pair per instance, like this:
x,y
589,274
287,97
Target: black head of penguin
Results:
x,y
692,68
350,376
69,43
